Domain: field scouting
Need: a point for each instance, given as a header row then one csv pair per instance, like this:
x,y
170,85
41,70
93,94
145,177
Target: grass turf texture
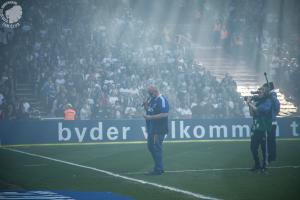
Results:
x,y
19,171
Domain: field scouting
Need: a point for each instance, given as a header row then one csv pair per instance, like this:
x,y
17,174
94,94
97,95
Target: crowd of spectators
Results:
x,y
6,92
101,62
11,107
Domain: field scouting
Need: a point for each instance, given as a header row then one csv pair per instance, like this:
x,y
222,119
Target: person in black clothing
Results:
x,y
272,133
261,110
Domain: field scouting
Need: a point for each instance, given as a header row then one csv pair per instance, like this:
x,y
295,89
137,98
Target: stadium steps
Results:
x,y
24,91
247,79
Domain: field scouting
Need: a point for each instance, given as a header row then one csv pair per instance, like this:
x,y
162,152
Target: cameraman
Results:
x,y
261,110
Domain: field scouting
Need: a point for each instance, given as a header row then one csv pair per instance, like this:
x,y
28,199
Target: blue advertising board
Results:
x,y
84,131
66,195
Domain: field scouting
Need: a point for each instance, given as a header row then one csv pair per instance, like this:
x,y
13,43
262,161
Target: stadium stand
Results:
x,y
103,71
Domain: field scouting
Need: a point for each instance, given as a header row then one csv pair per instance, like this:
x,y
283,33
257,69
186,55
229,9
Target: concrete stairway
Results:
x,y
247,78
25,91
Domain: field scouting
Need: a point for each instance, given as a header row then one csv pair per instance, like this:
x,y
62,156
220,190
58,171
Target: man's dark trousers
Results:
x,y
272,143
258,139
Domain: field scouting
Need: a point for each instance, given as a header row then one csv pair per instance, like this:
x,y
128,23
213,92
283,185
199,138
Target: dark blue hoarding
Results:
x,y
84,131
65,195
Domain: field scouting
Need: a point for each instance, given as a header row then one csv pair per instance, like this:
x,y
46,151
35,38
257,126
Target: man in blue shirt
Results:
x,y
157,109
261,110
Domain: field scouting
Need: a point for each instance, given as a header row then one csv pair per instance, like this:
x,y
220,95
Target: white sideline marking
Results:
x,y
35,165
221,169
197,195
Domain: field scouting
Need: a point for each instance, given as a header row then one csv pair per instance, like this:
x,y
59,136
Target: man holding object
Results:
x,y
261,110
157,109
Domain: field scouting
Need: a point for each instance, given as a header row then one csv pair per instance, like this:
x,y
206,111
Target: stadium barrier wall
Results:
x,y
85,131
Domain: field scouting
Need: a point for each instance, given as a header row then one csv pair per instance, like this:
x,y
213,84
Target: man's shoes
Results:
x,y
255,169
154,173
264,170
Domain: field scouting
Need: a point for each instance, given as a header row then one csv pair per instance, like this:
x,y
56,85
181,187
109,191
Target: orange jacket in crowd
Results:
x,y
70,114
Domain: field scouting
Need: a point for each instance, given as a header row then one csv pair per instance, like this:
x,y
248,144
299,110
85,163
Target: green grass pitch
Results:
x,y
183,164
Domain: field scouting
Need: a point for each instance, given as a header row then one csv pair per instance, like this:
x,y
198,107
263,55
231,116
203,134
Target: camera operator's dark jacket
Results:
x,y
275,105
262,118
